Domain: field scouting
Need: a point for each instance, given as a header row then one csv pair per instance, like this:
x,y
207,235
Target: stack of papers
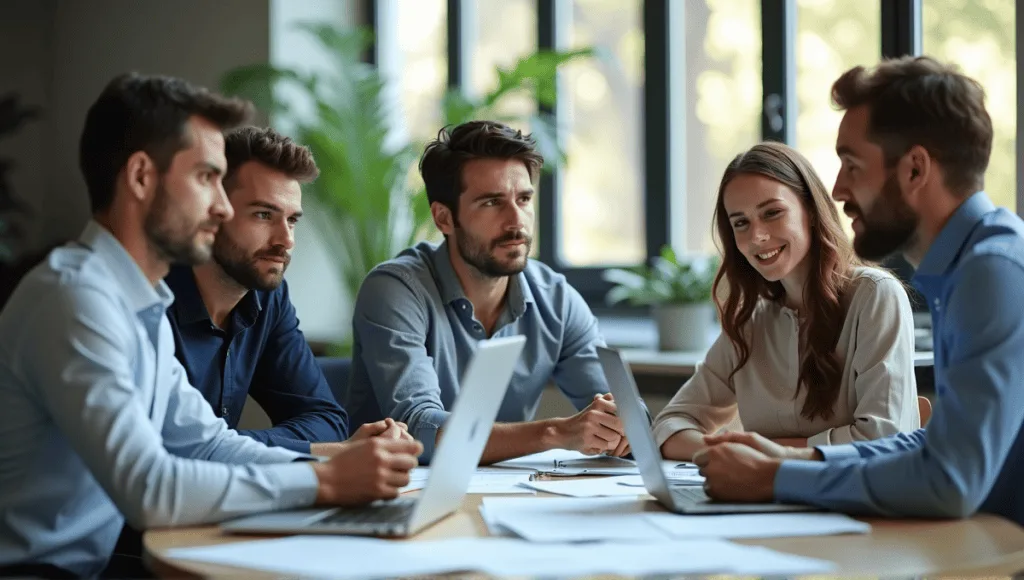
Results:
x,y
564,462
627,519
484,481
622,485
343,557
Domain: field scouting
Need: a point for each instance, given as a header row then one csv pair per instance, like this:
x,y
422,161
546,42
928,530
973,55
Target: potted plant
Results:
x,y
363,203
678,291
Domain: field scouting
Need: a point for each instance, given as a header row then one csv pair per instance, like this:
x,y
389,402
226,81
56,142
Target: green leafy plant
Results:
x,y
363,202
667,280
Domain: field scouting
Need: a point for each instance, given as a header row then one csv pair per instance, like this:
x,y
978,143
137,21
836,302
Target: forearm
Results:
x,y
511,440
682,445
791,441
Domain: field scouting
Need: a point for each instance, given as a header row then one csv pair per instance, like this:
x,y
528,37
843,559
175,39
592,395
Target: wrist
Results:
x,y
553,433
805,454
322,487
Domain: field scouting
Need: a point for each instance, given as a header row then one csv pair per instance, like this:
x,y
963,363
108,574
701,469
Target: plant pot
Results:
x,y
684,326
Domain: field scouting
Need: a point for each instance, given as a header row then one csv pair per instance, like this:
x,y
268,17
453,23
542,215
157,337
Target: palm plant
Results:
x,y
363,203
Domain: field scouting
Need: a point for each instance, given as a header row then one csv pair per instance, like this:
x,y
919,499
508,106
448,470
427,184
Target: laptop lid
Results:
x,y
634,420
465,433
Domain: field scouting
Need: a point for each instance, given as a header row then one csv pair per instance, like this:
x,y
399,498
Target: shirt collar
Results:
x,y
519,293
947,245
190,308
140,294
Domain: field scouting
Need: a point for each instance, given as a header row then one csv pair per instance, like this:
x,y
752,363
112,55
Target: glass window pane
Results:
x,y
422,39
504,31
978,35
602,219
832,36
722,103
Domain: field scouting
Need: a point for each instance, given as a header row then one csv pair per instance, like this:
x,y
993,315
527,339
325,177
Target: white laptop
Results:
x,y
465,434
686,499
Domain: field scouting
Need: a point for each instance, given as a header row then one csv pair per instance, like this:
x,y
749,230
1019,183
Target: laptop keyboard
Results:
x,y
383,513
689,494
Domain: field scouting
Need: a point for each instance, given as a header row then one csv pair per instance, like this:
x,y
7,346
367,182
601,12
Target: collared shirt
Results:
x,y
877,393
97,419
970,456
262,353
415,332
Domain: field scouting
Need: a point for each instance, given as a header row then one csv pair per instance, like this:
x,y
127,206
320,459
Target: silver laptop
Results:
x,y
465,434
680,499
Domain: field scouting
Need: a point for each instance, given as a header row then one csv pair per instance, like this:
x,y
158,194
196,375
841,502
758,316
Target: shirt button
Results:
x,y
224,412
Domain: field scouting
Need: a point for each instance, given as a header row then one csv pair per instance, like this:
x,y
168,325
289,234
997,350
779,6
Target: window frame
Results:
x,y
900,35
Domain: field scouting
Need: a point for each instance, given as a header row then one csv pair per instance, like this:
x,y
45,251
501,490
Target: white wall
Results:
x,y
94,41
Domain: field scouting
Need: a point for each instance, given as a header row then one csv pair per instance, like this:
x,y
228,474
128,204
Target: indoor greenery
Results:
x,y
364,204
668,280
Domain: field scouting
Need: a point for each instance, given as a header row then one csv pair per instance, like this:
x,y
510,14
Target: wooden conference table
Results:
x,y
982,545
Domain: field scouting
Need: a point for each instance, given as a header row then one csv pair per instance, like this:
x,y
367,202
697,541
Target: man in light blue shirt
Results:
x,y
419,317
98,423
914,145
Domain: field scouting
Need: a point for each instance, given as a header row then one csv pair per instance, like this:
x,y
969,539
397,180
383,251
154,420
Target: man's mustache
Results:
x,y
513,237
279,254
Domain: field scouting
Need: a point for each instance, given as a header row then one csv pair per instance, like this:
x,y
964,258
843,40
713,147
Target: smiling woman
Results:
x,y
815,346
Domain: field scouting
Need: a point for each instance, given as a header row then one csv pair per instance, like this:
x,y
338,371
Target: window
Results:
x,y
422,66
832,36
722,93
978,35
504,32
602,199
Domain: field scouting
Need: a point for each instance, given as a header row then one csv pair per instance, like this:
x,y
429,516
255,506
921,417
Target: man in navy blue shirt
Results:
x,y
914,144
235,328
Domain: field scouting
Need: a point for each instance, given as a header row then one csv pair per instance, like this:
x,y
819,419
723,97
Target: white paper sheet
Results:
x,y
348,557
591,487
573,519
757,525
483,481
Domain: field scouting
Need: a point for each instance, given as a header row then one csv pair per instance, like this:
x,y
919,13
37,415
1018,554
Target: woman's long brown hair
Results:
x,y
738,286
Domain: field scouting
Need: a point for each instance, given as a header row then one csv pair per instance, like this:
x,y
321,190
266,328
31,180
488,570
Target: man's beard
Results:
x,y
243,268
480,254
890,227
172,236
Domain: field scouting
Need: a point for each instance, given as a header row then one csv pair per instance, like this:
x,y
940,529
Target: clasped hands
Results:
x,y
741,467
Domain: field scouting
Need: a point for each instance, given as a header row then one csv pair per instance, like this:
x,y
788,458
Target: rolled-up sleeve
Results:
x,y
390,323
82,361
706,402
883,366
948,469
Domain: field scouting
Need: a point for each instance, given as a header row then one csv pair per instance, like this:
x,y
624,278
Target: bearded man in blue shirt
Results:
x,y
235,328
914,144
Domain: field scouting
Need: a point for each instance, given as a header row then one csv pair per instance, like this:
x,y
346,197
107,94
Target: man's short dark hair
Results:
x,y
145,113
921,101
443,159
270,148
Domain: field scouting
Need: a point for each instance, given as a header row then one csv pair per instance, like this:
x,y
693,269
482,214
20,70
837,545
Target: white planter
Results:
x,y
684,326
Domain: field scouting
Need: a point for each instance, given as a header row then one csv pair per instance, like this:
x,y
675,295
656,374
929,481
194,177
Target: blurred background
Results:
x,y
639,105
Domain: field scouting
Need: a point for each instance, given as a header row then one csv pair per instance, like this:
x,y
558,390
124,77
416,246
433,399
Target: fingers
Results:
x,y
701,459
622,449
367,430
406,447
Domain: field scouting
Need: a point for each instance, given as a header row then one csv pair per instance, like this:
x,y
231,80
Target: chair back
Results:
x,y
336,371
